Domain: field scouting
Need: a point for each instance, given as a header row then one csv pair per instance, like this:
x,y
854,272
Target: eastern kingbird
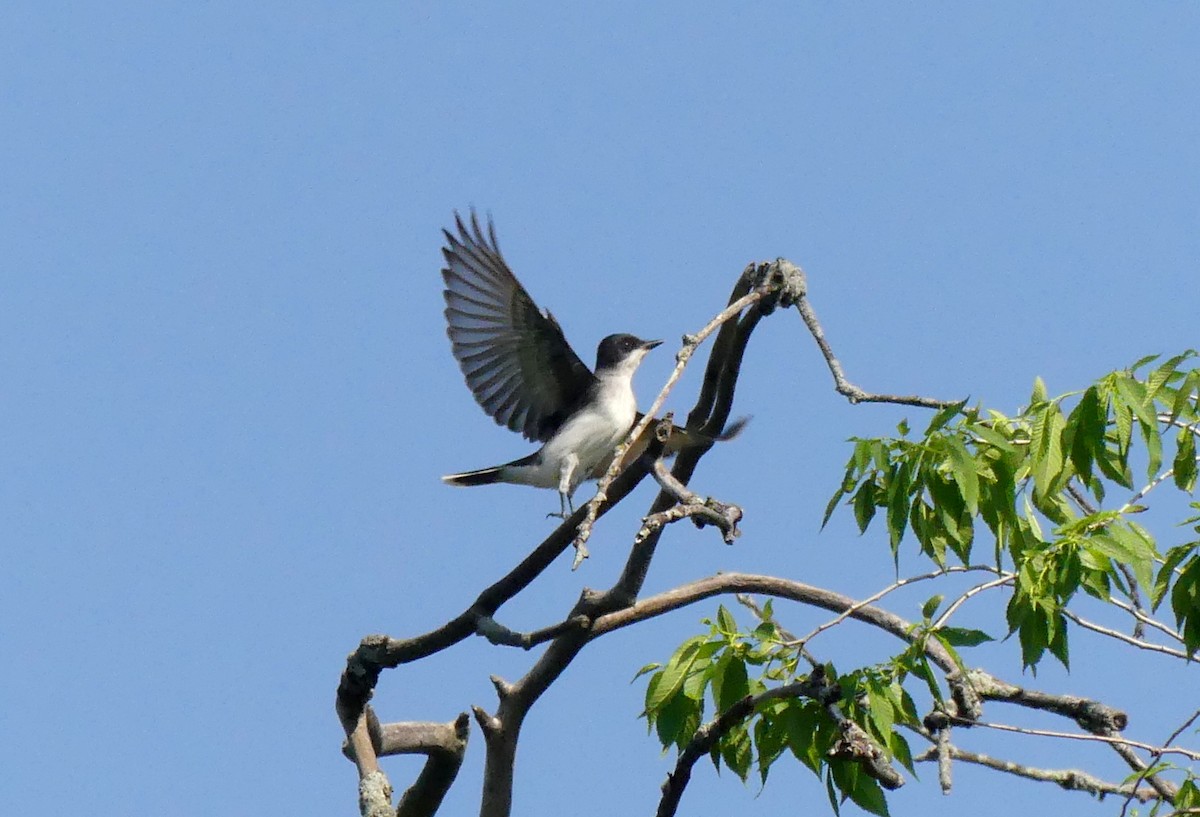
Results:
x,y
527,377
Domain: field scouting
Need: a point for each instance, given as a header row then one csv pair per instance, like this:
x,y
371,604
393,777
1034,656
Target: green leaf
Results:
x,y
1153,440
831,791
901,751
665,684
868,795
943,416
735,750
961,637
898,491
1142,361
1188,796
1186,393
1137,542
858,786
801,722
1046,448
677,721
725,621
732,685
1184,465
833,503
1032,628
965,471
1164,373
1175,557
931,605
1039,392
1058,641
770,739
1185,603
653,665
923,670
864,505
1084,431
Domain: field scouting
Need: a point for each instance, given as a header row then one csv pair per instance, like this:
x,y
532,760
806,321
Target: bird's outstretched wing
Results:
x,y
516,360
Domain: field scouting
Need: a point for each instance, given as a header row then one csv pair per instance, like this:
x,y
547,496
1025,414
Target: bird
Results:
x,y
525,375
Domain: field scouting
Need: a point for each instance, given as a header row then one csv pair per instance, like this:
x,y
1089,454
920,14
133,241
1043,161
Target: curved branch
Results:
x,y
727,583
843,386
444,745
376,653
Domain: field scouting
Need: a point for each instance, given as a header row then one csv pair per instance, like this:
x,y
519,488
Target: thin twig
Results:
x,y
1147,620
1120,636
1147,488
1111,740
962,599
843,386
885,591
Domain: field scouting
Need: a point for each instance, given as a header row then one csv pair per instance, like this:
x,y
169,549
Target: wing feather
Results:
x,y
514,356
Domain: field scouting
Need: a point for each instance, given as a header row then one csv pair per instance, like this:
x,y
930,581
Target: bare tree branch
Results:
x,y
729,583
378,652
1092,715
1069,779
444,745
691,506
942,751
500,635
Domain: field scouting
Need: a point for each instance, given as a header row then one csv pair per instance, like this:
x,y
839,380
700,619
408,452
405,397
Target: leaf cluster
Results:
x,y
1037,482
714,672
1037,488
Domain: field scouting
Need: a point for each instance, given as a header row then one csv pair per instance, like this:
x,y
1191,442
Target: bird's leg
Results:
x,y
565,488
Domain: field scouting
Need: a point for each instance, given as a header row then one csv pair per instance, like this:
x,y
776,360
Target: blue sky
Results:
x,y
228,396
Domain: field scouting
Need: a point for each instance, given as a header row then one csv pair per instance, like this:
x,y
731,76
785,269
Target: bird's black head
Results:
x,y
616,350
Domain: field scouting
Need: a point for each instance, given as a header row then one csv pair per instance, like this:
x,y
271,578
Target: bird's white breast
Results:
x,y
594,432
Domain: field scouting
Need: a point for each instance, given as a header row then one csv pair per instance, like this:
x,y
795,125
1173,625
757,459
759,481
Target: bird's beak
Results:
x,y
650,344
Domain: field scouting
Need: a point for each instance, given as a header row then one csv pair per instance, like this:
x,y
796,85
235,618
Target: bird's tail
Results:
x,y
467,479
509,472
